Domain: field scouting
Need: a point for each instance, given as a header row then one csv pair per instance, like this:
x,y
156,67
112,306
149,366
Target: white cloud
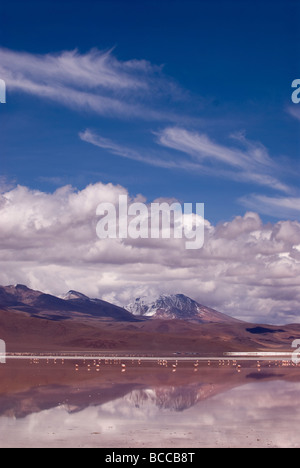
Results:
x,y
294,111
148,157
90,137
250,163
95,81
246,268
197,153
273,206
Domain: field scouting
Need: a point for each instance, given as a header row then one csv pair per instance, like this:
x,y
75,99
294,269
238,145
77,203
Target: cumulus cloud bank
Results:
x,y
247,269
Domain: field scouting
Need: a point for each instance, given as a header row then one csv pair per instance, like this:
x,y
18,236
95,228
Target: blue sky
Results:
x,y
187,100
195,82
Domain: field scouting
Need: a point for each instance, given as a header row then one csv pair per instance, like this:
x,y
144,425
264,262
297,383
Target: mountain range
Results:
x,y
75,305
34,321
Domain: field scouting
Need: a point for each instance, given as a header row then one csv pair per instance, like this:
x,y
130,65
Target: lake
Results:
x,y
123,404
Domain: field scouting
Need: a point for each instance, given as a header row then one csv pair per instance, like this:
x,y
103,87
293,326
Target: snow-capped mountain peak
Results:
x,y
74,295
175,306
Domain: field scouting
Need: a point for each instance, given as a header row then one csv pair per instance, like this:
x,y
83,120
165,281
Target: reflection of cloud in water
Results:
x,y
262,413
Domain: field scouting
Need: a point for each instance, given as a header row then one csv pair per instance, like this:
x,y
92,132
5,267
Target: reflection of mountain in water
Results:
x,y
29,388
75,400
171,398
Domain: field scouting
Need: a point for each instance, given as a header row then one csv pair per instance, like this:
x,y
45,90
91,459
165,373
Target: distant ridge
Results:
x,y
73,306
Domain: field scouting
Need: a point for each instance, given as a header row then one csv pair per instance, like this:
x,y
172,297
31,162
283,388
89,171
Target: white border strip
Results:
x,y
226,357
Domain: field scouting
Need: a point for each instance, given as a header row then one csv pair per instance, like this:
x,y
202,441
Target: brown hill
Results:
x,y
45,306
23,333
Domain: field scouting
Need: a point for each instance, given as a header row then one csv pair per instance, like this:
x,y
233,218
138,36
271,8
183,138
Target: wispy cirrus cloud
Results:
x,y
149,156
195,152
273,206
95,81
105,143
294,111
247,161
99,82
